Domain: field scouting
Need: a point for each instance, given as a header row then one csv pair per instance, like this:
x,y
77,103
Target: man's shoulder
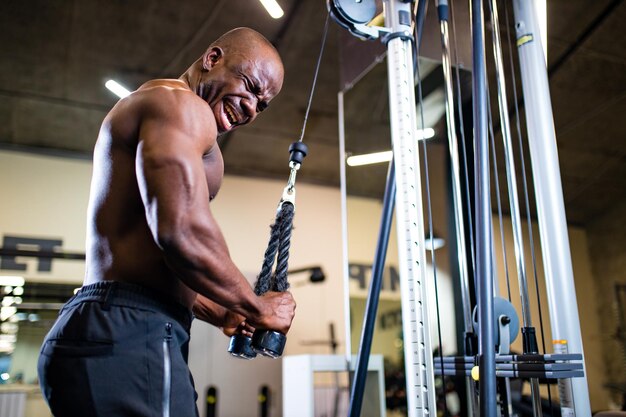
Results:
x,y
166,92
173,100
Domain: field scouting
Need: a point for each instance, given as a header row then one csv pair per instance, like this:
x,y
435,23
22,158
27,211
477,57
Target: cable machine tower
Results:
x,y
493,317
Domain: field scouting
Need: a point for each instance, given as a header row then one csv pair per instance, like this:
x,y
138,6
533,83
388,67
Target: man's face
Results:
x,y
241,86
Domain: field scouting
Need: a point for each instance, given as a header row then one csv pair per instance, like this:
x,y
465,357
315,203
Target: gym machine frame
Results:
x,y
559,276
409,212
564,319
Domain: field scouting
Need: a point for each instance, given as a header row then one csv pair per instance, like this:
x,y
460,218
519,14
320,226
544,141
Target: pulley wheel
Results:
x,y
351,12
501,307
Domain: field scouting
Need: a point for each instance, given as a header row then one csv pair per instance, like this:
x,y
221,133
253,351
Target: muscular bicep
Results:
x,y
173,136
170,175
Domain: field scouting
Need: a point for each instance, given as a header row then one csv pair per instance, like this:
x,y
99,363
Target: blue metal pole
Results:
x,y
486,347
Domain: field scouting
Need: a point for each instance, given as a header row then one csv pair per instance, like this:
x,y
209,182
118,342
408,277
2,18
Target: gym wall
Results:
x,y
44,198
607,244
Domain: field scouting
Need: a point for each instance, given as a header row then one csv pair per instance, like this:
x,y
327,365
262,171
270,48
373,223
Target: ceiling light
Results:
x,y
427,133
369,158
11,281
117,89
9,301
385,156
273,8
434,244
6,312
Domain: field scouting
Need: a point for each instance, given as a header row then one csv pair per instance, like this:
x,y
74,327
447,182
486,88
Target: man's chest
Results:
x,y
214,171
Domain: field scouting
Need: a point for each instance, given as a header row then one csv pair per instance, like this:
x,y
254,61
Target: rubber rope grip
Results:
x,y
240,346
269,343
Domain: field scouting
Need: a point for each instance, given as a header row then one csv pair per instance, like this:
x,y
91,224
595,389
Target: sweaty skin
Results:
x,y
157,166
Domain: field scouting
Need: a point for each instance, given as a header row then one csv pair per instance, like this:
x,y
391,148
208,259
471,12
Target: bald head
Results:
x,y
238,75
244,40
248,43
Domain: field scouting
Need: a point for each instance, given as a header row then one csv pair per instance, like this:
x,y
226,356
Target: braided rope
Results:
x,y
280,276
264,281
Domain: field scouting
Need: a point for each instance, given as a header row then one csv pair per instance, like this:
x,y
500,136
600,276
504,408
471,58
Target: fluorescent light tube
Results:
x,y
117,89
273,8
385,156
369,158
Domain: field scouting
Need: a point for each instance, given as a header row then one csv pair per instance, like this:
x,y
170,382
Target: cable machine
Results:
x,y
398,36
494,321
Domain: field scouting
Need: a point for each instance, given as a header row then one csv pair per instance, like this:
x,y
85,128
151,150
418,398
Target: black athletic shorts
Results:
x,y
118,349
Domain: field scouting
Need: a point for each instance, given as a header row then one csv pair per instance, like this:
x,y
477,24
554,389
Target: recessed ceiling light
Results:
x,y
273,8
117,89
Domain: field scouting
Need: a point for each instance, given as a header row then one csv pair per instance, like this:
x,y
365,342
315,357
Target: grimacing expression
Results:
x,y
241,87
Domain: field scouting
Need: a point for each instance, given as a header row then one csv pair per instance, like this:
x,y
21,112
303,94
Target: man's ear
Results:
x,y
211,57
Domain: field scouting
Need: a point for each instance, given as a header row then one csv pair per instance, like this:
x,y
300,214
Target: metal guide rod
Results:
x,y
486,351
518,243
564,318
463,142
496,179
457,201
344,231
409,213
494,273
442,8
510,167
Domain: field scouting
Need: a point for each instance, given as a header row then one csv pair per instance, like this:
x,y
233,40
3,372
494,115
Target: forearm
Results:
x,y
203,264
209,311
201,260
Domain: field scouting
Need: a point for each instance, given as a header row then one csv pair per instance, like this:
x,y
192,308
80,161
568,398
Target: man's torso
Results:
x,y
120,244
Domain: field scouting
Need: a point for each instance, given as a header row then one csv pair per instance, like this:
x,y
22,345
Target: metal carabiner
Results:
x,y
289,192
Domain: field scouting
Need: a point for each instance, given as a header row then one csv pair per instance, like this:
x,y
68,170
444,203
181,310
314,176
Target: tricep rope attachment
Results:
x,y
268,342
